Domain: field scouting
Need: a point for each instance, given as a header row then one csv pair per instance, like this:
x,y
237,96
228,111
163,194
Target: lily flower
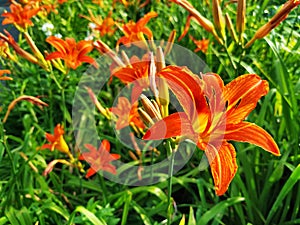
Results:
x,y
202,45
2,72
74,54
19,16
104,26
99,159
127,114
134,32
213,115
57,141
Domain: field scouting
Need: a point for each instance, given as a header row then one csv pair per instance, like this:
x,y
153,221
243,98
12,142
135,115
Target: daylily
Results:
x,y
57,141
136,72
20,16
2,72
127,114
104,26
202,45
134,32
99,159
74,54
213,115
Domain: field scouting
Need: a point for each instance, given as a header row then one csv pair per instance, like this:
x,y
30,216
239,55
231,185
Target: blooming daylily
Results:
x,y
104,26
134,32
213,115
127,114
74,54
2,72
202,45
57,141
20,16
99,159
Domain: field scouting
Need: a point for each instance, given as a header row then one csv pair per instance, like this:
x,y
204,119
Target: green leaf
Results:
x,y
88,214
192,220
220,207
289,184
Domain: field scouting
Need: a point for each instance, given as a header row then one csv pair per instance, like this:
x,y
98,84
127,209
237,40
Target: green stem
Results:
x,y
104,189
171,168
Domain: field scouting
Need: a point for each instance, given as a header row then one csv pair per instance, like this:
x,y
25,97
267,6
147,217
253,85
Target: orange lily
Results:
x,y
127,114
104,26
213,115
202,45
99,159
20,16
2,72
73,53
137,73
134,32
57,141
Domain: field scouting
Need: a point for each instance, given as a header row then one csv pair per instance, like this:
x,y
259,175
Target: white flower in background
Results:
x,y
47,29
92,26
58,35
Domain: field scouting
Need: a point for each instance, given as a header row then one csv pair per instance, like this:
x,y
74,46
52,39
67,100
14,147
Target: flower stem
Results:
x,y
104,189
171,168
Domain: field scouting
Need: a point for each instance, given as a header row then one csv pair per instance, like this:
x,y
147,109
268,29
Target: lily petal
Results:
x,y
223,165
177,124
243,94
251,133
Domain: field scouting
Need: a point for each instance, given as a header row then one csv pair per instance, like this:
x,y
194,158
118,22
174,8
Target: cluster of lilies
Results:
x,y
212,113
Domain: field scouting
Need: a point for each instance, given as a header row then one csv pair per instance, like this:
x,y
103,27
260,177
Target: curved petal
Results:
x,y
242,95
223,165
143,21
251,133
177,124
54,55
188,89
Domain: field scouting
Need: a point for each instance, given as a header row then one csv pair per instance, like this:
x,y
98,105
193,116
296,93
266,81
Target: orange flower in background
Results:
x,y
127,114
74,54
134,32
104,26
20,16
99,159
202,45
57,141
2,72
213,115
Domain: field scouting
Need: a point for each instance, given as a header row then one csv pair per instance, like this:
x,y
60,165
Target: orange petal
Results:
x,y
105,145
223,165
188,88
143,21
251,133
177,124
243,94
